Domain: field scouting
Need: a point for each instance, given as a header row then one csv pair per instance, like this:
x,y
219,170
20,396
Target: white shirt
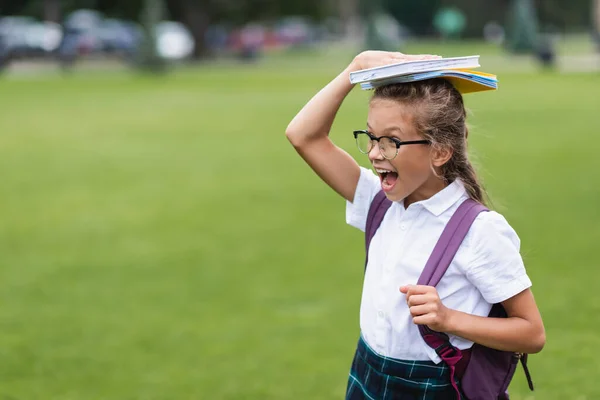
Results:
x,y
487,268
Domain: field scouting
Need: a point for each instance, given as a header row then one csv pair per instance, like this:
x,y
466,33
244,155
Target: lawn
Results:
x,y
160,239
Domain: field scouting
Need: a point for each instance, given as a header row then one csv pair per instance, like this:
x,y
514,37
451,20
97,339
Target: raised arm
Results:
x,y
309,130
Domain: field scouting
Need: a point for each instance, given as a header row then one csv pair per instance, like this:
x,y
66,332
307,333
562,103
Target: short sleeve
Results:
x,y
367,188
497,268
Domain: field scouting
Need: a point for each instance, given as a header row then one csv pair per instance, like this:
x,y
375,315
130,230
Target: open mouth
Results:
x,y
388,179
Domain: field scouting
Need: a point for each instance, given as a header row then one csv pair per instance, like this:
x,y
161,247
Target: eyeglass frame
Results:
x,y
396,141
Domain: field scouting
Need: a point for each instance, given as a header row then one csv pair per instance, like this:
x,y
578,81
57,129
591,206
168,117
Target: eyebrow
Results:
x,y
388,130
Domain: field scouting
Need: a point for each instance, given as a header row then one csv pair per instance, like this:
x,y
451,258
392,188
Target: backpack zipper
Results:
x,y
509,374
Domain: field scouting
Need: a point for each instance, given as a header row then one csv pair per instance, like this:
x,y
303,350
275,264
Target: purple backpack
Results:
x,y
484,373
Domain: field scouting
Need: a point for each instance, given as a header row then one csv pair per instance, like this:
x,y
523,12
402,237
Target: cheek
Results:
x,y
412,164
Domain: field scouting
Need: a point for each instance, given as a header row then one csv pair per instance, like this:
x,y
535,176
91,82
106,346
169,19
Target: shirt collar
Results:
x,y
445,198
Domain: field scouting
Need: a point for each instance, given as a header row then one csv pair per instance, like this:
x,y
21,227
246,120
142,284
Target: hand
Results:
x,y
375,58
426,307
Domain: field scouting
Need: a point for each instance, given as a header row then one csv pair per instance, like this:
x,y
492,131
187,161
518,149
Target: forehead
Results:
x,y
384,115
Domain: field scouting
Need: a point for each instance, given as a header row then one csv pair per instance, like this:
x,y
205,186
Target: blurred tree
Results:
x,y
374,37
129,9
55,10
450,22
52,10
596,22
149,60
563,15
197,15
522,27
417,16
478,13
348,12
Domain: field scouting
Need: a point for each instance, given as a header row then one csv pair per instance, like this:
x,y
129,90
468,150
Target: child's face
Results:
x,y
411,168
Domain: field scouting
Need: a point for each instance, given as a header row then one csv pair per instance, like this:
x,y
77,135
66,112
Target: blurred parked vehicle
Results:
x,y
23,37
173,41
295,31
88,33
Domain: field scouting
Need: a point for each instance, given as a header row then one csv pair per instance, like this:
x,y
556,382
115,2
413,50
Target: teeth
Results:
x,y
382,171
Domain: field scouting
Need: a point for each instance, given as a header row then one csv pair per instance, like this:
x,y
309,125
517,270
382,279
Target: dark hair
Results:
x,y
440,117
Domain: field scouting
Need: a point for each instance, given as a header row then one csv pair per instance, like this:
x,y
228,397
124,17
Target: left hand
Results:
x,y
426,307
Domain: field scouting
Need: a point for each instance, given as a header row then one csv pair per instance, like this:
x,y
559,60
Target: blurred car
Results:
x,y
81,35
44,37
22,37
117,36
87,32
13,35
217,37
173,40
295,31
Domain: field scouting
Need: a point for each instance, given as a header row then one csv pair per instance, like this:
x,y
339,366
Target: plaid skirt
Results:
x,y
375,377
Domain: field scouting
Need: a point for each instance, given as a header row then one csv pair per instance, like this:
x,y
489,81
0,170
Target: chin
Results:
x,y
394,195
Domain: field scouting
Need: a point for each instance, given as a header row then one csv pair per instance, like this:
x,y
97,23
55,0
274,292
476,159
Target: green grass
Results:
x,y
160,239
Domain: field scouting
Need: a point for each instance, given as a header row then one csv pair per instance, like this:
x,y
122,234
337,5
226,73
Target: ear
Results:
x,y
440,155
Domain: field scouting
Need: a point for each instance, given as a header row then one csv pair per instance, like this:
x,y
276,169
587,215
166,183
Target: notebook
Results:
x,y
409,67
457,70
465,81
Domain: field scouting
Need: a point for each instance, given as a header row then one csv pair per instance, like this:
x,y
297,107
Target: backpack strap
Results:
x,y
526,369
379,206
436,266
449,242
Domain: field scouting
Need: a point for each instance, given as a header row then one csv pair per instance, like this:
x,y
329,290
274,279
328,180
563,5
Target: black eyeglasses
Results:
x,y
388,146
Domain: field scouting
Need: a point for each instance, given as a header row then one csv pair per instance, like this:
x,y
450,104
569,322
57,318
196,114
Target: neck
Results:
x,y
425,191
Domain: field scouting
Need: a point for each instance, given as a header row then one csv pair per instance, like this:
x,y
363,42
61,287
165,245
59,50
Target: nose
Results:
x,y
375,153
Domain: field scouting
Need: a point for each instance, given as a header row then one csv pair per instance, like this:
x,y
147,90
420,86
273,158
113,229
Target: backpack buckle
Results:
x,y
449,354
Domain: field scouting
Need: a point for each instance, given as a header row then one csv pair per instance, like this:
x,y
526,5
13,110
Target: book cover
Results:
x,y
465,81
411,67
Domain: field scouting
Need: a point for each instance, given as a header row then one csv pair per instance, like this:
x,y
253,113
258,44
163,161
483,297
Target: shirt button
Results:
x,y
403,227
380,314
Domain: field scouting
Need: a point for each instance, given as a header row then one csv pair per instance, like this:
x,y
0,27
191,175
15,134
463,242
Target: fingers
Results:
x,y
374,58
425,306
411,57
422,309
417,295
410,290
418,299
399,57
427,319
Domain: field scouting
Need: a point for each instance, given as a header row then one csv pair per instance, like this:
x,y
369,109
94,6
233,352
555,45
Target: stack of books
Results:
x,y
458,70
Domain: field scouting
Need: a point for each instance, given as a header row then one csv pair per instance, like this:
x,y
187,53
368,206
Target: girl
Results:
x,y
416,139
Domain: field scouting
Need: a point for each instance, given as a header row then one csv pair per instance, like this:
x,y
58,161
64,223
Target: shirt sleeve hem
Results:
x,y
509,290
